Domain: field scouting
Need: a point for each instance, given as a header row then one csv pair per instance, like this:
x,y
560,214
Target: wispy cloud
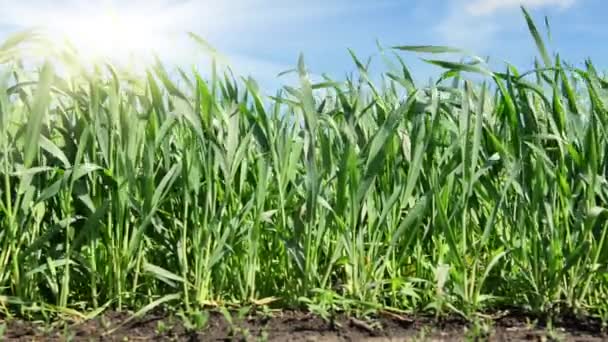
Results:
x,y
477,24
466,31
487,7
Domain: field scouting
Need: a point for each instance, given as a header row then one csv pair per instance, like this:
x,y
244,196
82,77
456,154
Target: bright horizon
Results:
x,y
264,38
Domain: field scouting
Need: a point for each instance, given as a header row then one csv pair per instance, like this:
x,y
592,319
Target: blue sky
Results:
x,y
265,37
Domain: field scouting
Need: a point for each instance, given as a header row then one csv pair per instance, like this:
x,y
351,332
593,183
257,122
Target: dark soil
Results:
x,y
300,326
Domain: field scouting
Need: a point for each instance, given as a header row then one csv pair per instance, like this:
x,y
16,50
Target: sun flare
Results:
x,y
124,34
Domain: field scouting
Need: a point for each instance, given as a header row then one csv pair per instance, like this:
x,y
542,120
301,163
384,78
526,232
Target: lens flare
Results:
x,y
125,34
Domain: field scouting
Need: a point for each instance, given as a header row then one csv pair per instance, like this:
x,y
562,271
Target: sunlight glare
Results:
x,y
123,34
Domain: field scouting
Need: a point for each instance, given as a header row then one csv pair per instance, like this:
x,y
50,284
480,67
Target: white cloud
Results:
x,y
476,25
486,7
467,31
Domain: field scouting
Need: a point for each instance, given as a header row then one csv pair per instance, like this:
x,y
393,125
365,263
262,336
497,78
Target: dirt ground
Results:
x,y
299,326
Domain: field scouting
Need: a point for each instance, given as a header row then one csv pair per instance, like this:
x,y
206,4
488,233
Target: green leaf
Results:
x,y
537,39
141,312
55,151
42,100
161,273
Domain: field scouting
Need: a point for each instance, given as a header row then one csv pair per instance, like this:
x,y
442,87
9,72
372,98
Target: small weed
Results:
x,y
233,325
263,336
265,312
553,333
161,327
196,320
481,330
